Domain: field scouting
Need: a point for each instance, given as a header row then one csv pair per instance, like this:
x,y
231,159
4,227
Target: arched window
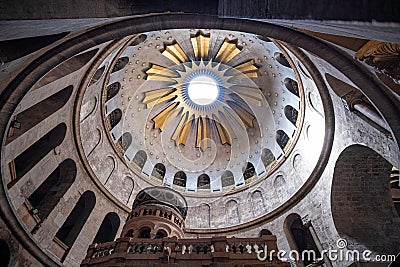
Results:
x,y
5,254
292,86
304,241
203,182
282,59
282,139
38,112
250,171
112,90
140,159
45,198
267,157
115,117
120,64
161,234
139,39
180,179
129,233
125,140
67,67
144,232
33,154
291,114
75,221
158,171
265,232
108,228
227,179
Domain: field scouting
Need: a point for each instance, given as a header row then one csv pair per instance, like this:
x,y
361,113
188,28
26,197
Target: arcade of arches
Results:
x,y
185,128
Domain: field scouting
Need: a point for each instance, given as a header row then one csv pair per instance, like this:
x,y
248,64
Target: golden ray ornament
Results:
x,y
227,111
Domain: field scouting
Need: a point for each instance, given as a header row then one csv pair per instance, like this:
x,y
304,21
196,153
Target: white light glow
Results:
x,y
203,90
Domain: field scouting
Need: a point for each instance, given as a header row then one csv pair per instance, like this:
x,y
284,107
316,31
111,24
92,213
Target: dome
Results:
x,y
240,126
159,195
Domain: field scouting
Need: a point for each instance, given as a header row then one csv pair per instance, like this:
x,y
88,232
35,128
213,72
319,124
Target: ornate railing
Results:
x,y
181,250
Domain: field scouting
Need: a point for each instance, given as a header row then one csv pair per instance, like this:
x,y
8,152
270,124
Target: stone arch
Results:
x,y
94,141
203,215
45,198
361,201
108,228
69,231
232,212
280,188
257,203
25,161
88,108
109,163
140,159
127,187
33,115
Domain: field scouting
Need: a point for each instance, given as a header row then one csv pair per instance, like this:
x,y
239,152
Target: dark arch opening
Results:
x,y
115,117
282,59
112,90
180,179
203,181
120,64
227,179
129,233
361,201
292,86
33,154
45,198
304,241
75,221
144,232
140,159
125,141
250,171
67,67
159,171
5,253
108,228
265,232
161,234
38,112
267,158
140,39
291,114
282,139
